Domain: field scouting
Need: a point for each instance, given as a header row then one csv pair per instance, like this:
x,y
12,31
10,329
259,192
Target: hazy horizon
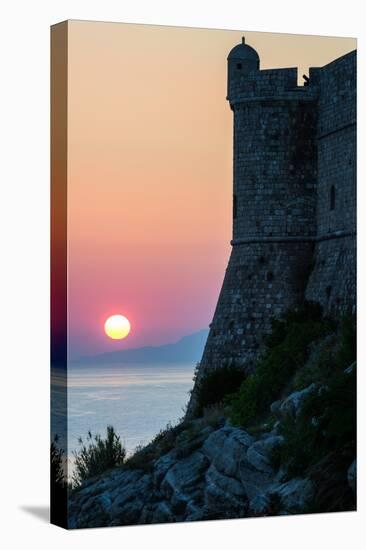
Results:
x,y
187,338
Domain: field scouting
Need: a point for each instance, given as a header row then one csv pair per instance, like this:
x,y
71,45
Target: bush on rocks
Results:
x,y
97,455
218,384
287,350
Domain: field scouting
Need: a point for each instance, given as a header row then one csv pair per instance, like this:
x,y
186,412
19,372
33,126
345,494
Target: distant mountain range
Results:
x,y
187,350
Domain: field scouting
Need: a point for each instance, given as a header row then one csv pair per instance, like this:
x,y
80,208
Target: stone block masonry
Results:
x,y
294,202
333,279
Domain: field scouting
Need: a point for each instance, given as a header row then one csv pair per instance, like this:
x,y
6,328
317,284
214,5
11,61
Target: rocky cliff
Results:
x,y
293,461
211,473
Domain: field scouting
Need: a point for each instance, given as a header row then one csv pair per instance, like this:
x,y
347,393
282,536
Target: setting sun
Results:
x,y
117,327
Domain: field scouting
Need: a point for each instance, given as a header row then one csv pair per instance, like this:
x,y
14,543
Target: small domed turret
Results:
x,y
242,59
246,54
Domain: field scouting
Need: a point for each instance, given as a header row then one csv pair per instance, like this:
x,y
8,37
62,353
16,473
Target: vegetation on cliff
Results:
x,y
97,455
58,484
315,358
213,388
287,350
321,439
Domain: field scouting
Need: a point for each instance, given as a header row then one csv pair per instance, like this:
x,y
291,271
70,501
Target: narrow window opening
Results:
x,y
239,66
332,198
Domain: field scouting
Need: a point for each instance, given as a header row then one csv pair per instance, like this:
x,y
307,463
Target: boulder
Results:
x,y
162,513
130,500
254,482
260,505
224,493
183,477
291,406
233,448
259,454
294,495
275,408
227,449
161,467
213,445
187,442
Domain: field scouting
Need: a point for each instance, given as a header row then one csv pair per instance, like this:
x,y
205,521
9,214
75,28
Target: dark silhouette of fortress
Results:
x,y
294,201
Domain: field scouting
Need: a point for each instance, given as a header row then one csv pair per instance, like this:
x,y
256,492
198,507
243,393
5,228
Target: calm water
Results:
x,y
138,401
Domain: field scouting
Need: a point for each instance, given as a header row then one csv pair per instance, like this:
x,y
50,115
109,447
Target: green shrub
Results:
x,y
59,485
320,366
218,384
325,424
325,430
288,348
332,493
213,415
333,354
144,456
348,347
308,311
57,464
97,455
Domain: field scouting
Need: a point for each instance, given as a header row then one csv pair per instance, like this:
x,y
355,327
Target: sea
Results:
x,y
137,400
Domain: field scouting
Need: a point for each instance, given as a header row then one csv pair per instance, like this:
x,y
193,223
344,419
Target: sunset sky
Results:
x,y
150,173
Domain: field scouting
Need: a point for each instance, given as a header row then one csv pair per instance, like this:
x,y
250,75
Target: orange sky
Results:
x,y
150,173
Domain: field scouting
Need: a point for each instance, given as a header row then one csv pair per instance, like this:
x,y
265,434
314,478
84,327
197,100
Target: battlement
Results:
x,y
337,100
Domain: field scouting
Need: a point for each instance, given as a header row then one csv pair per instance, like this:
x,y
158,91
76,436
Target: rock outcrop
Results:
x,y
223,472
211,470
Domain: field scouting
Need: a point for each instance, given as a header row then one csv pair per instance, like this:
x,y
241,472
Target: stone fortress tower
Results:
x,y
294,201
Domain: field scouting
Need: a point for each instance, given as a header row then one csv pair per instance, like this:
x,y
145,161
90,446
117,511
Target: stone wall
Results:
x,y
294,205
262,281
333,280
274,169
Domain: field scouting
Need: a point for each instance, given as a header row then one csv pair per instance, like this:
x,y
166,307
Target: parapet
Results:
x,y
271,84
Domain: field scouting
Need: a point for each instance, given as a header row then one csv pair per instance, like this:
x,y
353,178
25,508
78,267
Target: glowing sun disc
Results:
x,y
117,327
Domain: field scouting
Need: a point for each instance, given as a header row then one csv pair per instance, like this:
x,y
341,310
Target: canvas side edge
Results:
x,y
58,294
